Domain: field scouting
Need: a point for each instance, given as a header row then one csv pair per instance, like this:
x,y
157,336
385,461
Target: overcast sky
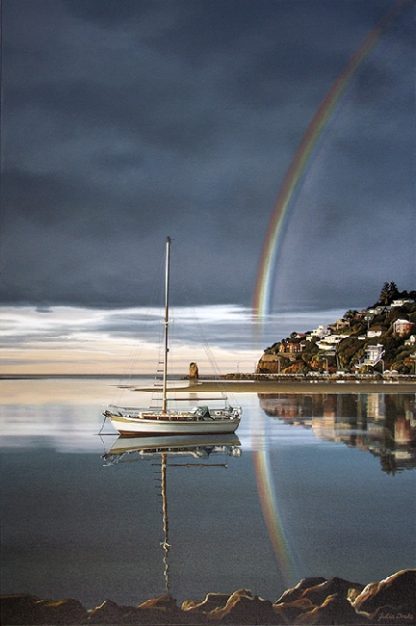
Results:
x,y
85,340
127,121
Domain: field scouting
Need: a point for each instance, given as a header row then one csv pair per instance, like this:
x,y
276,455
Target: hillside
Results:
x,y
380,338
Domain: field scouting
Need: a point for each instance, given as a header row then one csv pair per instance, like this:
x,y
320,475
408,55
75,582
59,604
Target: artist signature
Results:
x,y
395,617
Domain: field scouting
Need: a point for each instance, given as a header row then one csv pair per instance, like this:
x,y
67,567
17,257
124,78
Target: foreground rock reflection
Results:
x,y
311,601
382,424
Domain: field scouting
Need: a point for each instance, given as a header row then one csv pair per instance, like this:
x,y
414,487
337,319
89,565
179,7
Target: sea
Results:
x,y
311,485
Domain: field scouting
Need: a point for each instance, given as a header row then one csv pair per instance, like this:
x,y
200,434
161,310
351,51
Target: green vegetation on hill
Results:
x,y
381,338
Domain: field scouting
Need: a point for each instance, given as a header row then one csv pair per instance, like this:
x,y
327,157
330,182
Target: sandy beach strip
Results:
x,y
274,386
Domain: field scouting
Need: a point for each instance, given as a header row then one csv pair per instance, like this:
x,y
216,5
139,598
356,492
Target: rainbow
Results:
x,y
272,517
292,181
265,278
270,507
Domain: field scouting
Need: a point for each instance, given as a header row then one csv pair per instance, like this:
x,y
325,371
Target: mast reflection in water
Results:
x,y
195,450
382,424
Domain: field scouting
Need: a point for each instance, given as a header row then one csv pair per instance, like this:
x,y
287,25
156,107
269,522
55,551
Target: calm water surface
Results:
x,y
314,485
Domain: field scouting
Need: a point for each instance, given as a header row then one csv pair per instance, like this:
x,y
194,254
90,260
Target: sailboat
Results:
x,y
133,422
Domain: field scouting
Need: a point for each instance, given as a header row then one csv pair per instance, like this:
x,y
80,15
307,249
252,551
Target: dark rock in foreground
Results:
x,y
18,609
318,593
111,613
25,609
160,610
290,612
294,593
242,607
397,592
389,602
203,607
334,609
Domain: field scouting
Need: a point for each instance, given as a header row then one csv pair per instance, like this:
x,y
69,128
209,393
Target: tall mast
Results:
x,y
166,326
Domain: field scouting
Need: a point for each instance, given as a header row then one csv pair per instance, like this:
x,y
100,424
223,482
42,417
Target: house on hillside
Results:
x,y
402,302
330,342
373,355
402,328
360,315
287,346
342,324
373,333
321,331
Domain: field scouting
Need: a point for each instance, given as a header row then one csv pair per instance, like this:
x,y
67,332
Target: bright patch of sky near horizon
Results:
x,y
75,340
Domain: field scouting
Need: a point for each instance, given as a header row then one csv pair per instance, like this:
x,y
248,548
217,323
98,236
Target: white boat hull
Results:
x,y
131,426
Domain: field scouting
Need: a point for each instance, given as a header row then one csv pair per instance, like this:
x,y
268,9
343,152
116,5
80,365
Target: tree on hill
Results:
x,y
350,314
408,294
350,350
388,293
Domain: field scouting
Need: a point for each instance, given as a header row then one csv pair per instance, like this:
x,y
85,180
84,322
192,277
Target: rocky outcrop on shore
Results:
x,y
317,601
391,598
193,371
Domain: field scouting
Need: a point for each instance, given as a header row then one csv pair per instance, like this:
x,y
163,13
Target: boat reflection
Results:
x,y
382,424
194,446
127,449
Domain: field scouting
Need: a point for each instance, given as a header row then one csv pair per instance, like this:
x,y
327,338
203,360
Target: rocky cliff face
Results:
x,y
312,601
268,363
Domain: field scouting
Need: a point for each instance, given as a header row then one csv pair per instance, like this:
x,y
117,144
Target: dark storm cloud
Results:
x,y
111,12
127,121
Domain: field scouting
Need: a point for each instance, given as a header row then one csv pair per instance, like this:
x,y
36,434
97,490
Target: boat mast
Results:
x,y
166,326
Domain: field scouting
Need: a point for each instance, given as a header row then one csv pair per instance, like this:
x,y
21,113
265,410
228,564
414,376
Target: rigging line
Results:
x,y
211,359
100,432
222,388
208,351
133,356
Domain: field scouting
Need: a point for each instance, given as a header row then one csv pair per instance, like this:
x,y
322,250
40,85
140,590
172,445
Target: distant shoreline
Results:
x,y
241,386
273,386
